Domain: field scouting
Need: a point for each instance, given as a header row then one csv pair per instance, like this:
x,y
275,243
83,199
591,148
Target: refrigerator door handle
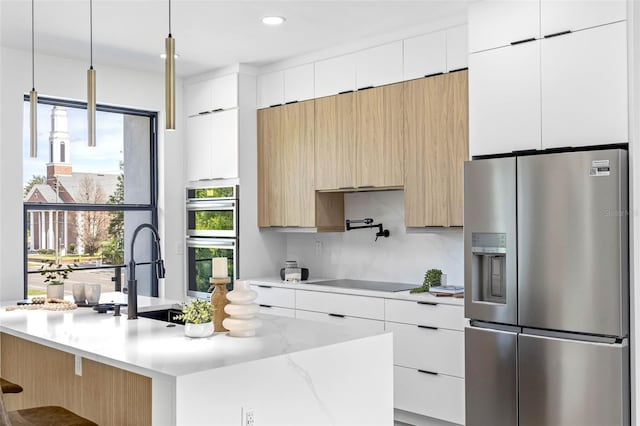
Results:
x,y
568,337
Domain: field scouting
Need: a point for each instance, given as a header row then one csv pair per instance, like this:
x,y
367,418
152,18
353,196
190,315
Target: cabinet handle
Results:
x,y
365,88
459,69
365,186
558,34
433,373
203,113
427,303
264,286
274,105
526,40
336,315
265,306
218,110
346,187
428,327
433,75
345,92
291,102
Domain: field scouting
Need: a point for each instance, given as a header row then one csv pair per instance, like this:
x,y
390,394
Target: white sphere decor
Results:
x,y
242,310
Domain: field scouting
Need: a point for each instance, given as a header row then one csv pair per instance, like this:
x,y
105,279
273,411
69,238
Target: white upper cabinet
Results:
x,y
224,147
213,94
335,75
224,92
199,141
298,83
584,88
198,97
271,89
379,65
456,48
504,99
557,16
212,145
425,55
501,23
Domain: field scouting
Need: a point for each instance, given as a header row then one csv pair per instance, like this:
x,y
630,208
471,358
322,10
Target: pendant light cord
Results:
x,y
33,67
169,18
91,33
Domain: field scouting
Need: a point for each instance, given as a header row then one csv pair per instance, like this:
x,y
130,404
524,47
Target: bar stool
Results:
x,y
9,387
41,416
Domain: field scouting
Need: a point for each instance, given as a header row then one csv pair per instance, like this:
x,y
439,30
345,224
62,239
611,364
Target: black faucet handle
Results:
x,y
160,271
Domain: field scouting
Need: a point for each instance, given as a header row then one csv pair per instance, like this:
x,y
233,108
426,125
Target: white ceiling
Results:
x,y
209,33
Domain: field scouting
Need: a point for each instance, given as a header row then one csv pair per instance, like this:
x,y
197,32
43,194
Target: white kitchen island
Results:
x,y
294,372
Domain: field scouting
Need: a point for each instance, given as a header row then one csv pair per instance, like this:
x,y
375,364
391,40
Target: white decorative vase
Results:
x,y
198,330
55,291
242,311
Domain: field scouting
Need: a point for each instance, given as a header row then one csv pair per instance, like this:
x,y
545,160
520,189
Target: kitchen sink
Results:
x,y
166,315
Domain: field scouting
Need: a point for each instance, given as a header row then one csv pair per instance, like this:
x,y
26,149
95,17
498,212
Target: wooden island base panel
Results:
x,y
104,394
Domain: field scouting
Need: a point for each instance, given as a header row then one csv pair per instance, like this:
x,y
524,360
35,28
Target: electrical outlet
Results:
x,y
318,248
247,417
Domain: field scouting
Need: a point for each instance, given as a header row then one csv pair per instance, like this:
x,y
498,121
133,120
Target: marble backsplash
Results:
x,y
403,257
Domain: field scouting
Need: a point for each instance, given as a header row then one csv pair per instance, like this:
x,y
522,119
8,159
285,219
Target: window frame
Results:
x,y
151,207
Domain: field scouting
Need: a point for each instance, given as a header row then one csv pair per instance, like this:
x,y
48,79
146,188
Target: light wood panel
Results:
x,y
103,394
271,160
330,211
458,126
436,145
335,142
298,169
380,141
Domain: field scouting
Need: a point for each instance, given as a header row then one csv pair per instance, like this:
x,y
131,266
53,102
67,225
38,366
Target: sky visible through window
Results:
x,y
104,158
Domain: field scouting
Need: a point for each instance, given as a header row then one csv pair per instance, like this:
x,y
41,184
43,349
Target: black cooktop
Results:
x,y
368,285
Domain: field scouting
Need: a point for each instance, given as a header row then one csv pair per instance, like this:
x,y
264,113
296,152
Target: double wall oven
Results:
x,y
212,231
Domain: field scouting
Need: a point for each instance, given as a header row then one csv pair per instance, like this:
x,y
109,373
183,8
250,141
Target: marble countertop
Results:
x,y
315,284
151,348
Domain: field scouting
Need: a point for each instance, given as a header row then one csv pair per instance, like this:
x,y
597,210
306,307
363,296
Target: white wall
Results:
x,y
66,78
403,257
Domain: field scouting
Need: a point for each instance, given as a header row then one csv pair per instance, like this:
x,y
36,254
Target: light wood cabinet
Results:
x,y
436,146
270,165
286,183
379,137
335,142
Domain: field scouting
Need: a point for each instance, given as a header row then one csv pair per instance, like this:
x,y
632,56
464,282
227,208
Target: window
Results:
x,y
82,204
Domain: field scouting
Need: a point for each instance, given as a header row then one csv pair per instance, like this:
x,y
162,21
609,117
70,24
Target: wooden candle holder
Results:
x,y
218,301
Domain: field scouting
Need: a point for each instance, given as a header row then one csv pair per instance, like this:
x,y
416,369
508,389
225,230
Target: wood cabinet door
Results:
x,y
457,98
270,165
335,142
380,141
298,189
426,189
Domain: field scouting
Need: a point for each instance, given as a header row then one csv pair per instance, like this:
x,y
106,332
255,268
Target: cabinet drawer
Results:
x,y
274,296
274,310
344,304
351,322
438,396
436,350
429,313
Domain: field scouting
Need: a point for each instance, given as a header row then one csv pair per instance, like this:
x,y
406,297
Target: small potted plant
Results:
x,y
431,279
54,276
197,317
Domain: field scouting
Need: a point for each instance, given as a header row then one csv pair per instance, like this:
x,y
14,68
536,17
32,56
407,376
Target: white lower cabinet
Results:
x,y
341,304
427,348
343,320
275,310
432,395
275,296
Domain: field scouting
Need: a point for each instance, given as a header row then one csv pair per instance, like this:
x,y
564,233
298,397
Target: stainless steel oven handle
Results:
x,y
209,242
209,205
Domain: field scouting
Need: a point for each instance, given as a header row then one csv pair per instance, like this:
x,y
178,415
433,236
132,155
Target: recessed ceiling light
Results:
x,y
164,56
273,20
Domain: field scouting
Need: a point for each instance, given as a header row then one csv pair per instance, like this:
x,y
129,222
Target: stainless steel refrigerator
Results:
x,y
547,290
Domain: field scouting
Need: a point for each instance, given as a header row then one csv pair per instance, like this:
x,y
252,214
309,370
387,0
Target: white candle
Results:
x,y
219,267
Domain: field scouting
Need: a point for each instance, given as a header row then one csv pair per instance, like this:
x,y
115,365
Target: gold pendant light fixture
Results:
x,y
170,78
91,86
33,95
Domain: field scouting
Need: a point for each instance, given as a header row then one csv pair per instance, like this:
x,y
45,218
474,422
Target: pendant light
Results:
x,y
91,86
170,78
33,95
